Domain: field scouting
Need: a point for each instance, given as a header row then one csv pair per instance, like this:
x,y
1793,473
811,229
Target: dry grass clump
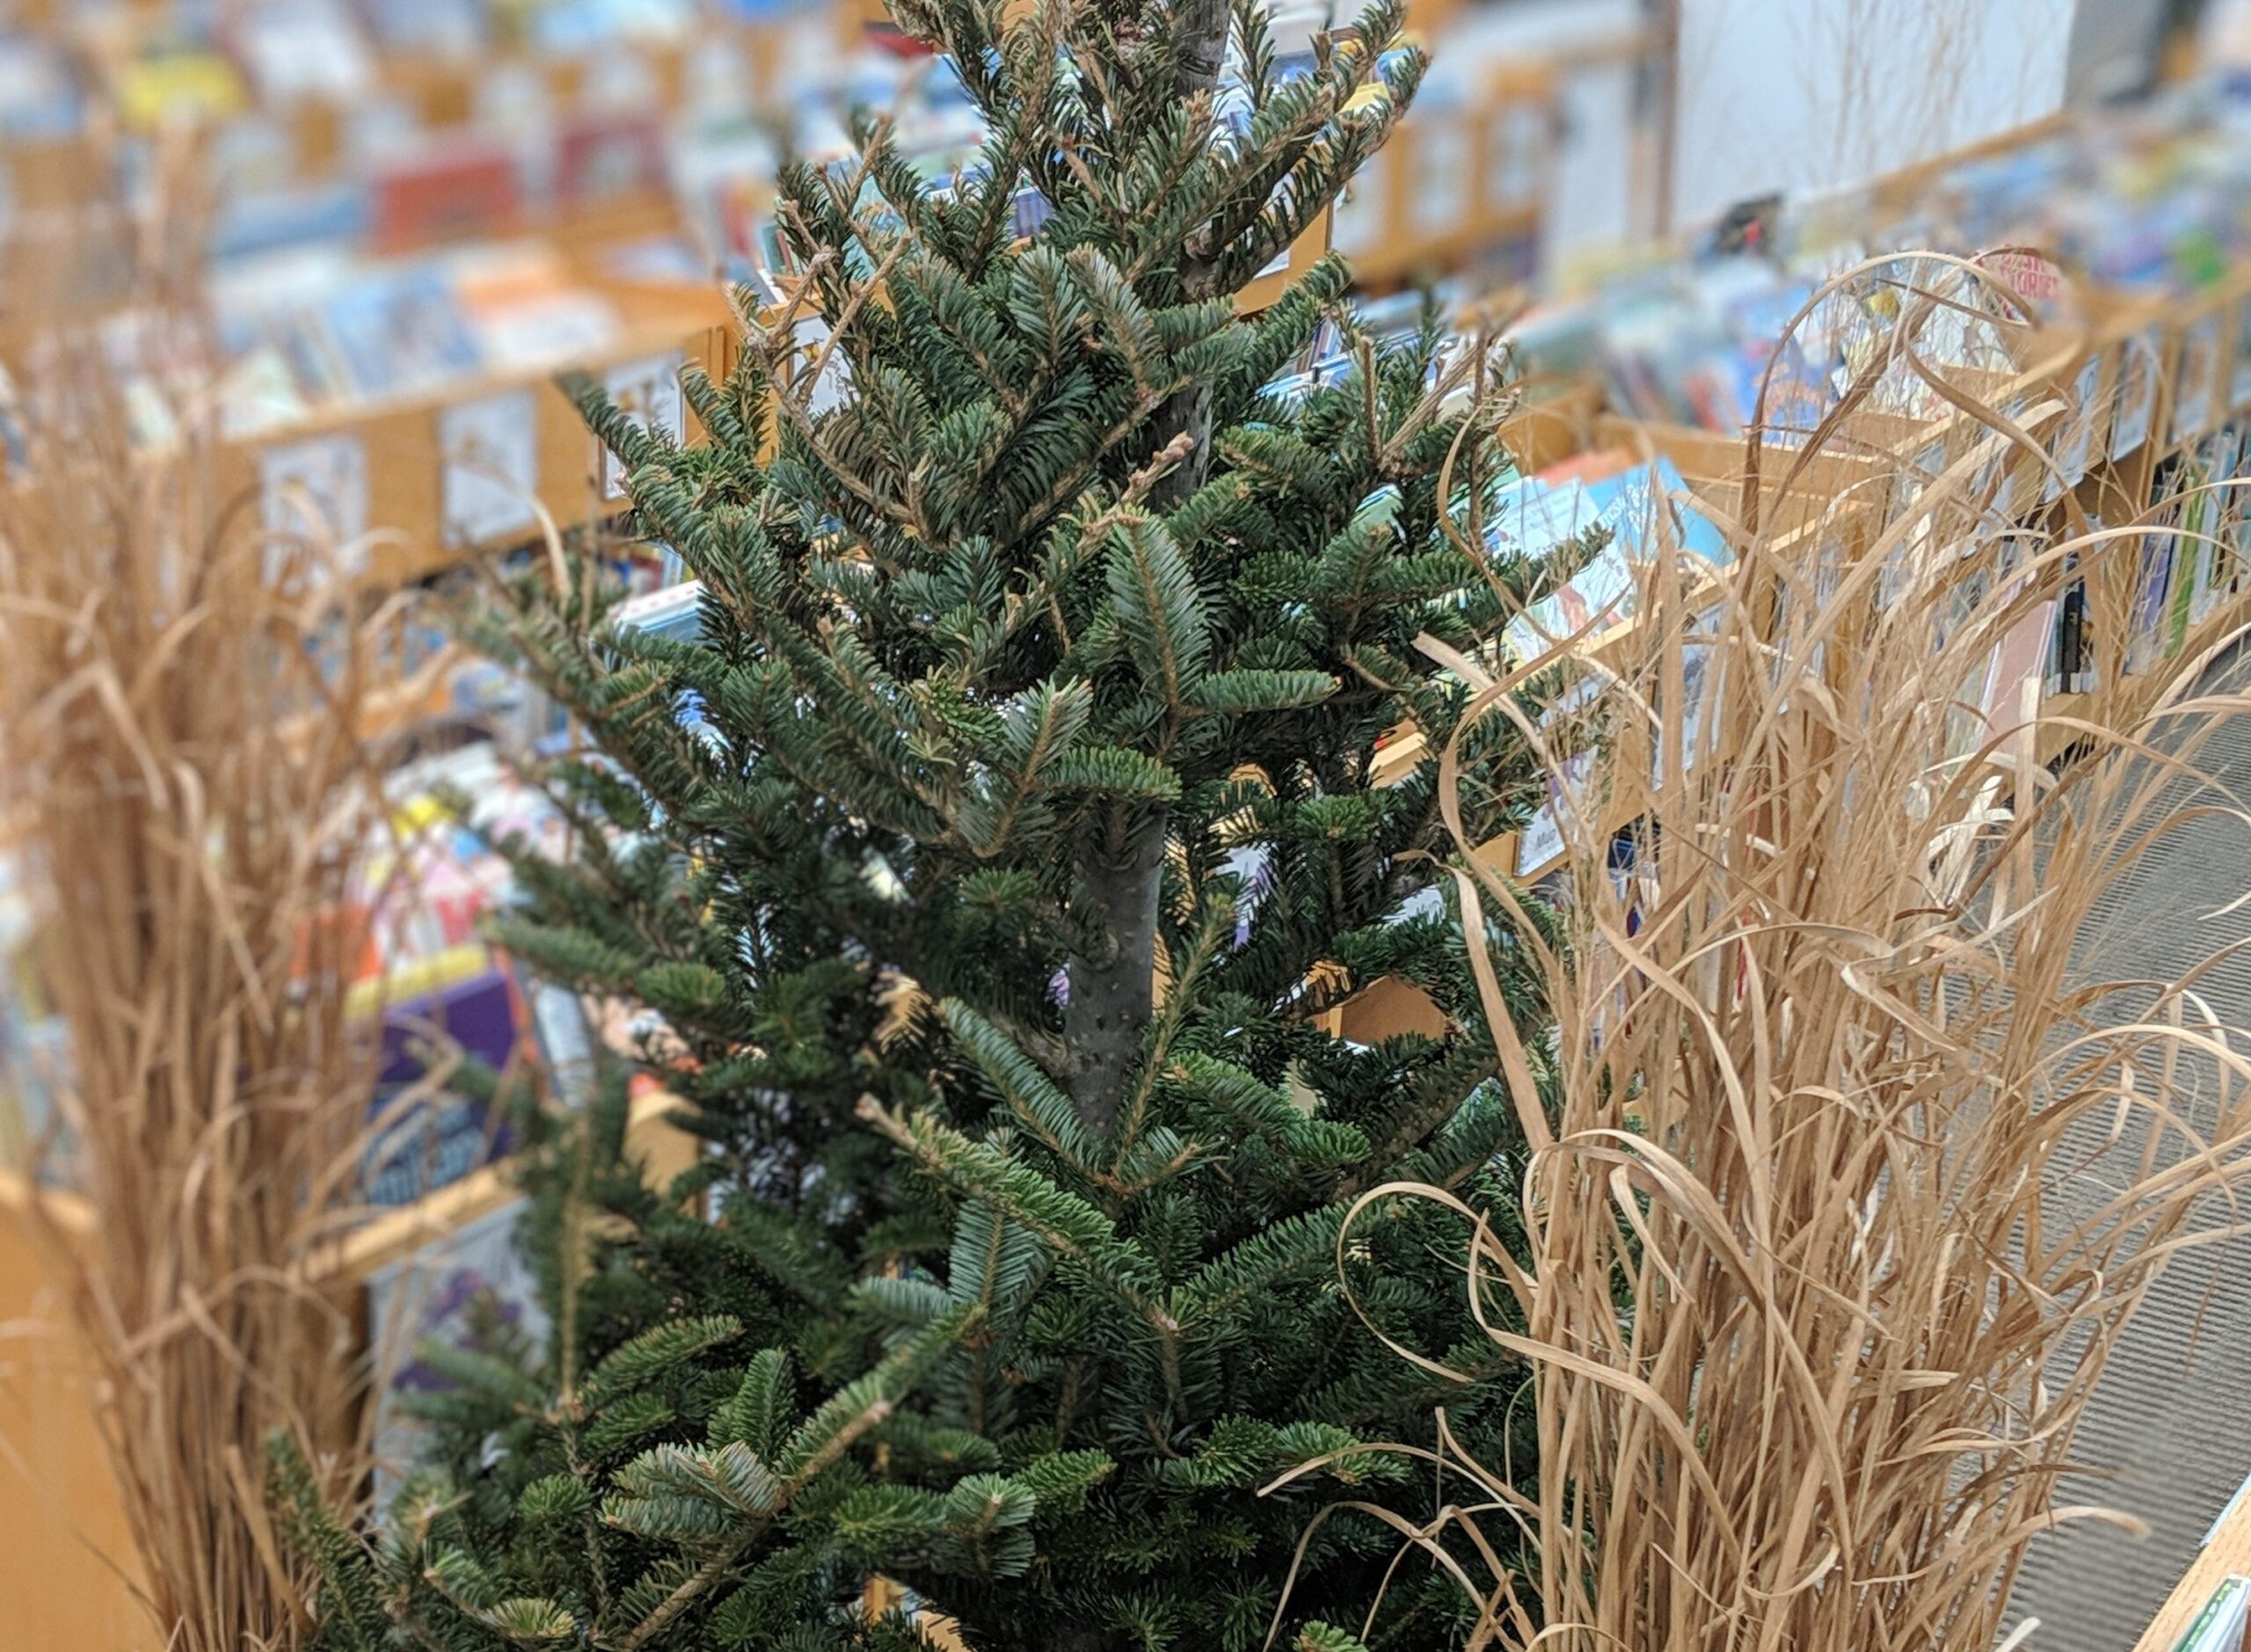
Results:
x,y
1848,1163
190,857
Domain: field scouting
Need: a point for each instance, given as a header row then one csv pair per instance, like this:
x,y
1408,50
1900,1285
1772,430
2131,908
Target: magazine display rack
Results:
x,y
415,473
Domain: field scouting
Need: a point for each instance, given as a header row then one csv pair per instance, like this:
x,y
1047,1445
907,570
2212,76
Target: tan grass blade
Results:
x,y
192,857
1809,1321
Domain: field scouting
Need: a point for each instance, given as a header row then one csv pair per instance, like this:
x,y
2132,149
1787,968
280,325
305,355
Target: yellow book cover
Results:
x,y
178,86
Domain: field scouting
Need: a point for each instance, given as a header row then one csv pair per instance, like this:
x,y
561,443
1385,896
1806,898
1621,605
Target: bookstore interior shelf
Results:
x,y
2134,399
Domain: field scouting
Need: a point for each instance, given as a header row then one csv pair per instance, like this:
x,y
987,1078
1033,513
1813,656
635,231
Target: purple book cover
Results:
x,y
443,1136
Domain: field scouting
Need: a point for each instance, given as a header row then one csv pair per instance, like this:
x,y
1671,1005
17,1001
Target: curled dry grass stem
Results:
x,y
192,853
1851,1154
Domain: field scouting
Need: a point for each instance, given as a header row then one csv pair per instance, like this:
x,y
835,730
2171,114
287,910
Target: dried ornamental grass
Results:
x,y
1809,1319
190,853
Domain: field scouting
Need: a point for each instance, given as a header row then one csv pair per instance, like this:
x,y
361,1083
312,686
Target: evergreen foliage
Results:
x,y
1025,831
685,1489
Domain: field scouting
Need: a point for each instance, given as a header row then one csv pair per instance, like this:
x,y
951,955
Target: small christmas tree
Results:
x,y
994,896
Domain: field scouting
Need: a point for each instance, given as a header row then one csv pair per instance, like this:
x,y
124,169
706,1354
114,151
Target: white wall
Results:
x,y
1811,94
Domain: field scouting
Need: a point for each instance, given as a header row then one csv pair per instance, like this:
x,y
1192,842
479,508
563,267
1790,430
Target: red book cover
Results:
x,y
471,189
603,156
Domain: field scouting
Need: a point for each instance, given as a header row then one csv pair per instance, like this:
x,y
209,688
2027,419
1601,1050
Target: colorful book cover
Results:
x,y
469,187
525,313
192,85
1599,595
470,1287
602,156
1643,507
40,100
304,49
443,29
428,1140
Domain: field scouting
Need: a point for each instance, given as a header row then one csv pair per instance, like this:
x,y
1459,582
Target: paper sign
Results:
x,y
2199,378
1444,174
313,506
648,394
489,455
2136,394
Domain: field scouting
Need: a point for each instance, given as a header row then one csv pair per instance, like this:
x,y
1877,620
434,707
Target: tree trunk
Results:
x,y
1113,993
1202,30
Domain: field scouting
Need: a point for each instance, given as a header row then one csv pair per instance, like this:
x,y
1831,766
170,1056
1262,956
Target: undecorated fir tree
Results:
x,y
993,858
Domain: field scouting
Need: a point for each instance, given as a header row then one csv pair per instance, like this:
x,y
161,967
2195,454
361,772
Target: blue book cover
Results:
x,y
1648,507
401,334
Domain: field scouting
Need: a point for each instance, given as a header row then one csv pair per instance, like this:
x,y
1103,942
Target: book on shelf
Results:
x,y
525,310
303,49
467,1286
2145,643
2221,1624
464,186
585,26
2070,661
425,1136
1637,507
602,156
187,82
40,98
439,28
402,332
